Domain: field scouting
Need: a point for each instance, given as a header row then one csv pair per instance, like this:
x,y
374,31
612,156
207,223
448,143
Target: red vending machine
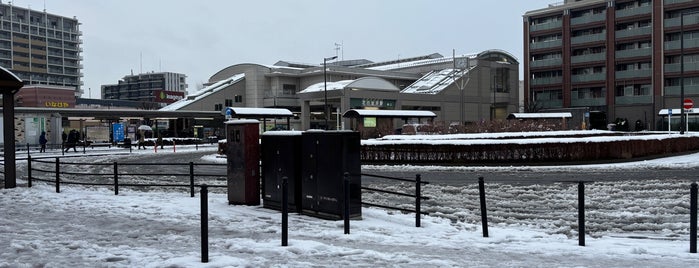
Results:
x,y
243,153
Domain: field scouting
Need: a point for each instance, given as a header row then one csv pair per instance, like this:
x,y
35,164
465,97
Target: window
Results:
x,y
288,89
238,99
218,107
229,102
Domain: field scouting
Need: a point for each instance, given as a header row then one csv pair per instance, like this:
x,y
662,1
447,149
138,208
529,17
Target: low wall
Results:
x,y
516,151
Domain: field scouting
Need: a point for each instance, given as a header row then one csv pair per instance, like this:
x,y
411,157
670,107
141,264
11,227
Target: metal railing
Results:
x,y
416,195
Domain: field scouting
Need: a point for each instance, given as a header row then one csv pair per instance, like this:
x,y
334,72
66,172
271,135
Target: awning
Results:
x,y
357,113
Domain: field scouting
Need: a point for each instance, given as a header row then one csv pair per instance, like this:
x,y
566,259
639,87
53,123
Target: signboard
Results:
x,y
369,121
369,102
118,132
167,96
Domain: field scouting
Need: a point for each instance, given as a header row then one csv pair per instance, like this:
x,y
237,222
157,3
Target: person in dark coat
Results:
x,y
43,141
72,140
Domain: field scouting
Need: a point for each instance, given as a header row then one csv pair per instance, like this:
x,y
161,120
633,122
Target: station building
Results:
x,y
459,89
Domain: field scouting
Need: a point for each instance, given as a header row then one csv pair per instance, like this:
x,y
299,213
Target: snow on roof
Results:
x,y
434,82
387,113
249,111
538,115
283,133
318,87
215,87
417,63
241,121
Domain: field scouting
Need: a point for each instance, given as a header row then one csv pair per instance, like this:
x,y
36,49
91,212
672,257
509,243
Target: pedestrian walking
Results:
x,y
141,139
42,142
72,140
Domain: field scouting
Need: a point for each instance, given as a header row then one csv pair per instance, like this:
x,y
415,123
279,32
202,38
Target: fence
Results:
x,y
53,166
416,195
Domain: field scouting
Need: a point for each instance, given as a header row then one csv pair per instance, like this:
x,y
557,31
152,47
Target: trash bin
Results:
x,y
281,157
326,156
243,161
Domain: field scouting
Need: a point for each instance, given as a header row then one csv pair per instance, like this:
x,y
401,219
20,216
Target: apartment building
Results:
x,y
41,48
161,88
622,57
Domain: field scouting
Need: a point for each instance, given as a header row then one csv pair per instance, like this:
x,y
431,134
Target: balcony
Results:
x,y
633,11
589,18
633,32
579,78
546,26
550,103
688,89
626,100
676,44
630,53
547,80
633,74
676,67
543,63
588,58
588,102
672,2
547,44
588,38
689,19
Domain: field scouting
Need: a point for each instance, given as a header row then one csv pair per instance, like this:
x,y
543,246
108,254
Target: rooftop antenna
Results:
x,y
340,47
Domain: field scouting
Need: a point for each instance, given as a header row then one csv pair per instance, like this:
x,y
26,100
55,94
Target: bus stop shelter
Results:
x,y
259,113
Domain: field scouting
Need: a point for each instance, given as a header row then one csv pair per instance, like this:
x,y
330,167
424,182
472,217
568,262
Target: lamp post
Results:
x,y
325,85
682,115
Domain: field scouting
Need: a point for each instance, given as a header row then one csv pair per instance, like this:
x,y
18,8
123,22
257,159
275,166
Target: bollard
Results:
x,y
58,175
29,171
285,211
484,212
191,179
204,223
581,213
346,211
693,218
116,179
27,149
174,146
418,199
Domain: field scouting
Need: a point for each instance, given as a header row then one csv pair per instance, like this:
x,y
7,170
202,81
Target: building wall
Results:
x,y
41,48
620,57
49,97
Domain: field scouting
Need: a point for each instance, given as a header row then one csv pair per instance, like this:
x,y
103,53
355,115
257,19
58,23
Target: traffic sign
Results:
x,y
688,104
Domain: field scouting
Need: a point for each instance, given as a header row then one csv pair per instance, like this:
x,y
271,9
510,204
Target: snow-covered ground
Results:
x,y
91,227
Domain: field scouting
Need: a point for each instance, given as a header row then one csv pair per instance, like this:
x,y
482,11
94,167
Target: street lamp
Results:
x,y
325,83
682,115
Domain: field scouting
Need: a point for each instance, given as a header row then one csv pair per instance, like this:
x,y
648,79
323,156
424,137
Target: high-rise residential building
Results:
x,y
41,48
160,88
622,57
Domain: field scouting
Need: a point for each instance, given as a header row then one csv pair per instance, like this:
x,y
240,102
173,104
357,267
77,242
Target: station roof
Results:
x,y
120,113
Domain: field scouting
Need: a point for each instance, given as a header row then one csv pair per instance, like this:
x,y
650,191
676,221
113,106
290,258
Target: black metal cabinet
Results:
x,y
281,156
327,155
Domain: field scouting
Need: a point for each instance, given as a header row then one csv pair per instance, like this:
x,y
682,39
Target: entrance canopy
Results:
x,y
259,113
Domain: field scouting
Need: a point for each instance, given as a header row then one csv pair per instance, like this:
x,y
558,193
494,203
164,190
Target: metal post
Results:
x,y
418,199
693,219
285,211
581,213
204,223
58,175
325,89
484,212
29,171
8,115
27,149
346,206
116,179
191,179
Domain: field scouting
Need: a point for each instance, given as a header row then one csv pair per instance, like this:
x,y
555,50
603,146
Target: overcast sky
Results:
x,y
201,37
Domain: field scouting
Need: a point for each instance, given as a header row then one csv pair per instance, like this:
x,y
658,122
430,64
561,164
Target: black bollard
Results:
x,y
693,218
346,211
581,213
418,199
484,212
204,223
29,171
58,176
285,211
191,179
116,179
